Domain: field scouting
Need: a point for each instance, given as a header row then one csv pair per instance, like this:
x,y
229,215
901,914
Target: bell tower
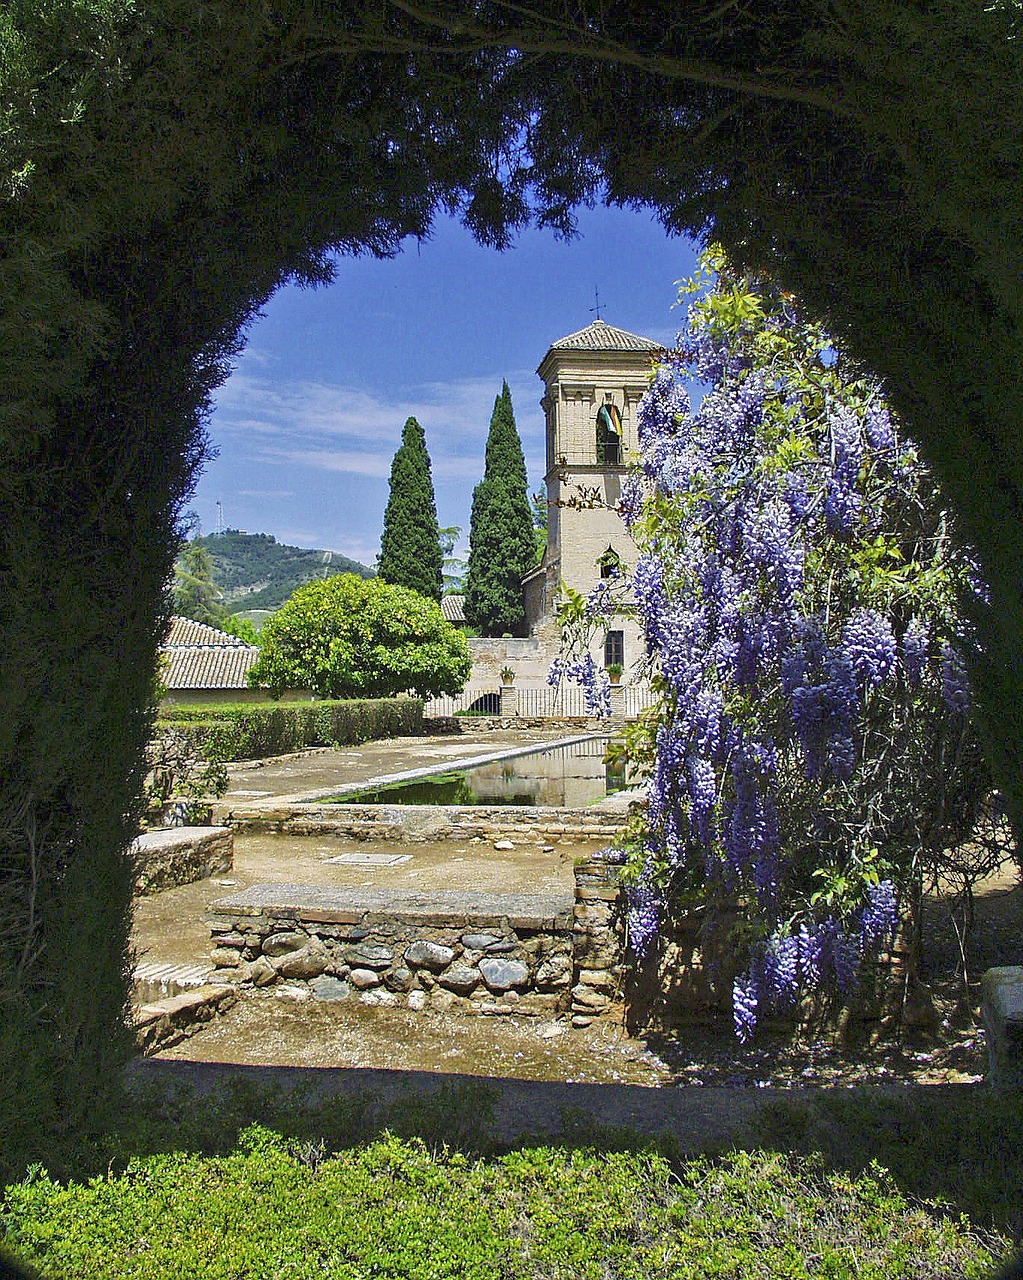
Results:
x,y
593,382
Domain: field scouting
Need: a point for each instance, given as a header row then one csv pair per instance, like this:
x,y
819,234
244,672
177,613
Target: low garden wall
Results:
x,y
469,952
540,954
424,822
181,855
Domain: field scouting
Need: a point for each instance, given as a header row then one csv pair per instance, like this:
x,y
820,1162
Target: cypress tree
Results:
x,y
410,550
502,545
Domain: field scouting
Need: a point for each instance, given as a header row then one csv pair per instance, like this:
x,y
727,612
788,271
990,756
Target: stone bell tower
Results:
x,y
593,382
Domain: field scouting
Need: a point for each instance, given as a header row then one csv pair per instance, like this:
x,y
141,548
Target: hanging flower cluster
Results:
x,y
797,585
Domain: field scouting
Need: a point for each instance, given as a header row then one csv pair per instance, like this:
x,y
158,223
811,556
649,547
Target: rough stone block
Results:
x,y
1002,994
424,954
364,979
460,978
329,989
367,956
399,979
279,944
261,972
308,962
500,975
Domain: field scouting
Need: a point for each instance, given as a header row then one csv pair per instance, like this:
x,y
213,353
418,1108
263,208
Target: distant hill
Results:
x,y
255,571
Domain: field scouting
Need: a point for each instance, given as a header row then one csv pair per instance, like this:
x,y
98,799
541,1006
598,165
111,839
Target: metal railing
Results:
x,y
480,702
536,703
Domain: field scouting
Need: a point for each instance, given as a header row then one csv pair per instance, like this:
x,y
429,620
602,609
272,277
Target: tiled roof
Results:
x,y
208,666
201,657
453,608
601,336
185,631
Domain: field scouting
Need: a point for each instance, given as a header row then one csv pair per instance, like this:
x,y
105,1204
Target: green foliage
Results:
x,y
194,594
273,1207
348,637
502,543
252,731
255,571
410,547
178,772
243,628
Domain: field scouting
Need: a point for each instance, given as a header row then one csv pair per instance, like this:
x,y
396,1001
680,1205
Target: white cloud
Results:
x,y
349,430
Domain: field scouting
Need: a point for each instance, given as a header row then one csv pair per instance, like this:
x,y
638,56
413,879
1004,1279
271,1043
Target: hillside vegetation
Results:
x,y
255,571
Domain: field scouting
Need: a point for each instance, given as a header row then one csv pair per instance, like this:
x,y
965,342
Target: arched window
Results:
x,y
610,564
609,436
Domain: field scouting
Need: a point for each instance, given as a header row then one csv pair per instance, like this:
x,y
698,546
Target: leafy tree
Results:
x,y
502,544
243,628
454,566
798,582
410,549
194,593
349,637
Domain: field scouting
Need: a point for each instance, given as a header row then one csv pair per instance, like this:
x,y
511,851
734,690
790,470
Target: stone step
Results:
x,y
154,980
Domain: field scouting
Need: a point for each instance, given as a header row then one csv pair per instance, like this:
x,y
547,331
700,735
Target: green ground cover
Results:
x,y
345,1188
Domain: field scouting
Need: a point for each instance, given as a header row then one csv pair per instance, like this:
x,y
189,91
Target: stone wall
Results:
x,y
181,855
442,951
427,822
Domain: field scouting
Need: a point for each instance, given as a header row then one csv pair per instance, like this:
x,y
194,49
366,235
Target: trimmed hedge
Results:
x,y
250,731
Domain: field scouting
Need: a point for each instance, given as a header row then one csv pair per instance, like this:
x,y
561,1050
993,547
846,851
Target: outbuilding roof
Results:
x,y
201,657
453,609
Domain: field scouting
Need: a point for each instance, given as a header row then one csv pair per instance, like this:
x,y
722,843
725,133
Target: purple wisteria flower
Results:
x,y
880,915
869,644
955,683
643,918
779,640
915,642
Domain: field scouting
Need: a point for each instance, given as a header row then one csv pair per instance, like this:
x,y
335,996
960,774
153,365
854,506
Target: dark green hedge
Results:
x,y
250,731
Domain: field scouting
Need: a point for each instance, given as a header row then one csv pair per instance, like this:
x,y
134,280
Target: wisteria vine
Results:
x,y
798,585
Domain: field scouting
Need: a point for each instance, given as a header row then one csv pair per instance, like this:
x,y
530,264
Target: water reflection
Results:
x,y
568,777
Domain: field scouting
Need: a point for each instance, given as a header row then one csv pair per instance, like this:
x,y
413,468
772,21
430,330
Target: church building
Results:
x,y
593,382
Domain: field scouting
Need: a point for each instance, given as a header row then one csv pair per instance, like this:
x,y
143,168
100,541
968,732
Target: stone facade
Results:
x,y
412,823
593,383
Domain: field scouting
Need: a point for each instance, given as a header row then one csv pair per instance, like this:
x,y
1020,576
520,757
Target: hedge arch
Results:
x,y
165,165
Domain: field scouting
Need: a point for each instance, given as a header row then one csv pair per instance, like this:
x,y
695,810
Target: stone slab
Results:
x,y
173,837
331,904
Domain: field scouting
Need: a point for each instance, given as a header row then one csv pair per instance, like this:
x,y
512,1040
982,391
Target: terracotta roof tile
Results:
x,y
601,336
208,666
201,657
453,608
185,631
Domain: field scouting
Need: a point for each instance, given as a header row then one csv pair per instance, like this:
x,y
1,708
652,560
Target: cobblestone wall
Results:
x,y
444,951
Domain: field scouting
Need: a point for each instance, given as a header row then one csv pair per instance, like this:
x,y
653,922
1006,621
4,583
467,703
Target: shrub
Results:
x,y
274,1208
250,731
799,584
345,637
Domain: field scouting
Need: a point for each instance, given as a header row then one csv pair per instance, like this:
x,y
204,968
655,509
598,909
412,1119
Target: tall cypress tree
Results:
x,y
410,551
502,546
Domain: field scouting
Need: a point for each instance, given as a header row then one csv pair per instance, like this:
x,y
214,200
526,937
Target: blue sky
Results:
x,y
308,423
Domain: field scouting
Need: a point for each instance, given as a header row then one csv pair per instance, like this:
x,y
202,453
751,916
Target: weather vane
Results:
x,y
596,294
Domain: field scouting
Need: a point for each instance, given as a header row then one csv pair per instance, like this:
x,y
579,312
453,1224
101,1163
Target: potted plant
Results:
x,y
507,675
614,672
